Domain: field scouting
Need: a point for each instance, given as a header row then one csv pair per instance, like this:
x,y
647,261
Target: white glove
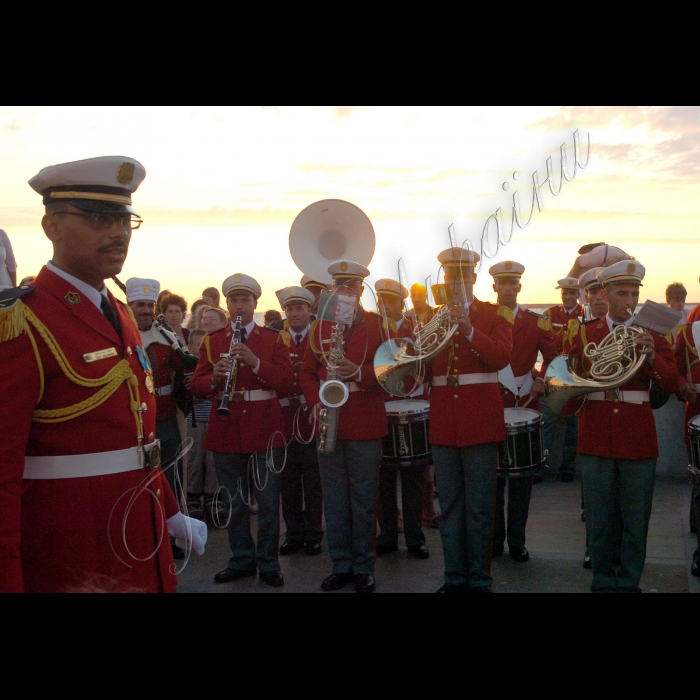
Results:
x,y
188,532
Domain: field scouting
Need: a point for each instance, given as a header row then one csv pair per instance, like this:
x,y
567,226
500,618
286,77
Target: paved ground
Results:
x,y
555,539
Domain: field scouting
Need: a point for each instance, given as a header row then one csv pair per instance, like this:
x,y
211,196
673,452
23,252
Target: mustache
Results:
x,y
112,246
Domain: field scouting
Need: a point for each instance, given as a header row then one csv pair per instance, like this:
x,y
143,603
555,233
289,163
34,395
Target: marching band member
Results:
x,y
316,288
251,435
558,319
350,473
617,443
302,500
421,311
466,425
518,381
688,365
391,297
83,501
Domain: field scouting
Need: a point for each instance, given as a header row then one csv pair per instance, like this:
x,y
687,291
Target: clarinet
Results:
x,y
224,410
188,359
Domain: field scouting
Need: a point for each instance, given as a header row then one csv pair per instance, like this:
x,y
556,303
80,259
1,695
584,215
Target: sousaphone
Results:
x,y
330,230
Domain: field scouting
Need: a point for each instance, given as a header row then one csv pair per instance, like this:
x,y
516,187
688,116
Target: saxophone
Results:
x,y
333,394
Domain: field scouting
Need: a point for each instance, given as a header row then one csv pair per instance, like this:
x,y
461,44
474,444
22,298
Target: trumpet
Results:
x,y
224,410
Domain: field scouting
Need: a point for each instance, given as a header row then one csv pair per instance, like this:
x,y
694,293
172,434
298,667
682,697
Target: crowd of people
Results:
x,y
136,423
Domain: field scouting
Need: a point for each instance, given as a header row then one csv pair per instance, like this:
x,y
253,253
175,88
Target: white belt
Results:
x,y
297,399
624,396
254,395
697,387
475,378
77,466
164,390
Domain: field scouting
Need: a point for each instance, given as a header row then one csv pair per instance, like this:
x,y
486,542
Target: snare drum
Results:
x,y
407,443
694,443
523,450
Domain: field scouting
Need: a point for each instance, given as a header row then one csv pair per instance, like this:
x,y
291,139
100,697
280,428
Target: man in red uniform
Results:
x,y
557,320
688,365
349,471
617,443
302,500
247,441
316,288
83,501
466,424
520,382
391,296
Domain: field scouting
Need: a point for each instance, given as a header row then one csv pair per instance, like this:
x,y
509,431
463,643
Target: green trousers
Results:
x,y
624,489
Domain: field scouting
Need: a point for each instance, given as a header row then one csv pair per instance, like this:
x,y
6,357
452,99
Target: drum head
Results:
x,y
694,425
521,416
407,407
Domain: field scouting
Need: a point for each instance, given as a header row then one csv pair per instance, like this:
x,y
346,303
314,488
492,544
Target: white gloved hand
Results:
x,y
188,532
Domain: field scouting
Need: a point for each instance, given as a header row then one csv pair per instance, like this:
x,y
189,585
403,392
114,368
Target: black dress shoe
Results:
x,y
229,574
364,583
336,581
587,562
291,547
566,477
386,549
419,551
695,568
272,578
312,548
452,588
519,554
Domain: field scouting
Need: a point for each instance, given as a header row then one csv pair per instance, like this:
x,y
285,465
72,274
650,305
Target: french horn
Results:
x,y
614,361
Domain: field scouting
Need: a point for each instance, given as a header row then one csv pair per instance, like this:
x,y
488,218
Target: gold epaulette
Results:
x,y
545,323
574,325
319,352
13,321
285,338
131,314
205,342
505,312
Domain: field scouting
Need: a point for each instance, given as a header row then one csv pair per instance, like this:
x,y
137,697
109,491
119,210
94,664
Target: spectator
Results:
x,y
174,309
195,307
159,308
271,316
676,294
213,320
8,266
211,297
202,484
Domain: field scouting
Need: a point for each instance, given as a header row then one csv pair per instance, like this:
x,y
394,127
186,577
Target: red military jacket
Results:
x,y
686,354
66,534
529,337
363,416
559,323
251,424
694,315
472,414
296,354
617,429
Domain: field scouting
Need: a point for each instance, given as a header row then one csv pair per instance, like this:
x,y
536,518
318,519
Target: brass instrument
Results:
x,y
333,394
397,359
615,361
323,232
224,410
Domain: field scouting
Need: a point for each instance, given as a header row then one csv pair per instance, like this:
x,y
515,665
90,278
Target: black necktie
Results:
x,y
297,339
244,335
111,315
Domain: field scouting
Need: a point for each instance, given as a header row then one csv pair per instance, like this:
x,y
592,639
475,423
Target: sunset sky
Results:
x,y
224,185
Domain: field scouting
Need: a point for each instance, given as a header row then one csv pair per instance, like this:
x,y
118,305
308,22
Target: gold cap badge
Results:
x,y
508,265
631,268
126,173
146,288
343,266
237,278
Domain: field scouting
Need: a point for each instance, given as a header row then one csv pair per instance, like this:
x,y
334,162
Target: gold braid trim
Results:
x,y
109,383
285,338
321,355
690,346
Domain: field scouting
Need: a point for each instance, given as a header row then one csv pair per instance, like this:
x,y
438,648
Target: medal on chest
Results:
x,y
143,361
